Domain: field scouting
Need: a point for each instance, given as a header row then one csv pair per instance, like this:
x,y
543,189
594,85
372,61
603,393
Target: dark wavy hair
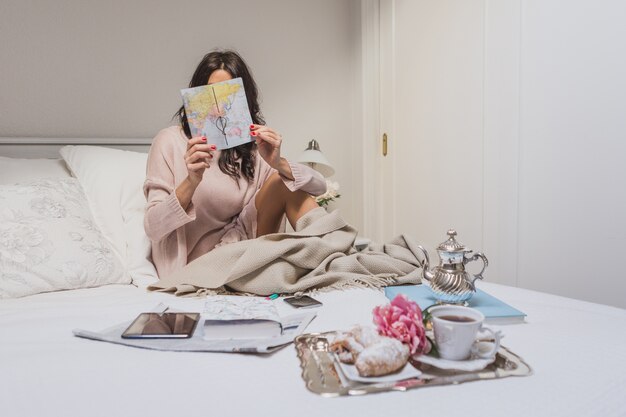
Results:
x,y
234,64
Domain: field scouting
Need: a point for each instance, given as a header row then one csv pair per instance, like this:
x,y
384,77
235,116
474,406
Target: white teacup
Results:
x,y
456,331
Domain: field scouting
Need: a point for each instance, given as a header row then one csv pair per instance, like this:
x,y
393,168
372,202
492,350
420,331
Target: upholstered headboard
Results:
x,y
49,147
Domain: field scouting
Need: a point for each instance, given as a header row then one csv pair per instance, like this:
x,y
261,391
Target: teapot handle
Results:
x,y
485,264
426,274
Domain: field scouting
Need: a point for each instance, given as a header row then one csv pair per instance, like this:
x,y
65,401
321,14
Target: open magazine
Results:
x,y
293,325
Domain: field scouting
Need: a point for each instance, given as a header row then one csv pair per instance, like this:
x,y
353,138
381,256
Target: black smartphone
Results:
x,y
302,302
162,326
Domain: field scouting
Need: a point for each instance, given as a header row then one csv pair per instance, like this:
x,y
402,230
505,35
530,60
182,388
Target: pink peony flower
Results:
x,y
402,320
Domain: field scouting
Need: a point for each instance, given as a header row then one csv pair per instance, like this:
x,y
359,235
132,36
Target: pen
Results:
x,y
272,297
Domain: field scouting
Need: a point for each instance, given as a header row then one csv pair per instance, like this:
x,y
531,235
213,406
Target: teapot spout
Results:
x,y
426,273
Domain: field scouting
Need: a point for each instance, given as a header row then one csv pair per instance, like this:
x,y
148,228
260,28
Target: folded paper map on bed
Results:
x,y
220,112
235,317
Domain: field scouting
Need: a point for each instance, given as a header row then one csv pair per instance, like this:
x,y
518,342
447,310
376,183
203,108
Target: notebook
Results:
x,y
495,310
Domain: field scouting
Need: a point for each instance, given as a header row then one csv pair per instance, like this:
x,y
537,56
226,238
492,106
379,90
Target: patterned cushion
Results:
x,y
113,183
49,241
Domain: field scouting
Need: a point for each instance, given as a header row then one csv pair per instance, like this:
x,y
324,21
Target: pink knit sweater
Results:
x,y
222,210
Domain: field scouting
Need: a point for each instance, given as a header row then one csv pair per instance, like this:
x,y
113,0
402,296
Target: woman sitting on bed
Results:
x,y
200,198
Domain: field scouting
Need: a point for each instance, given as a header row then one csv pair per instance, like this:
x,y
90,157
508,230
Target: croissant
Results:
x,y
371,353
383,357
346,347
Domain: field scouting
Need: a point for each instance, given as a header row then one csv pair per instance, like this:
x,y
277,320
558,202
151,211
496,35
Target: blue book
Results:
x,y
495,311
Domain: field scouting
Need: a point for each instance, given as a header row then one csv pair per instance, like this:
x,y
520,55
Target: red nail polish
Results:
x,y
251,126
204,138
253,133
213,147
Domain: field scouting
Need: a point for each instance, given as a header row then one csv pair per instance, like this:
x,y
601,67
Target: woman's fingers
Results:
x,y
198,155
200,148
196,140
197,151
258,130
272,141
197,166
268,142
200,143
263,129
270,136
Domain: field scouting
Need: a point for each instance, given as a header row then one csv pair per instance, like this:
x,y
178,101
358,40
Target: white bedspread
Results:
x,y
576,349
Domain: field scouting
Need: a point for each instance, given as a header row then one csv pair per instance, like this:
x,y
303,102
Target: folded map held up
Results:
x,y
220,112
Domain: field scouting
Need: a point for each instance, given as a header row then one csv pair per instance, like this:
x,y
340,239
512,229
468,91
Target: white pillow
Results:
x,y
49,242
113,181
15,170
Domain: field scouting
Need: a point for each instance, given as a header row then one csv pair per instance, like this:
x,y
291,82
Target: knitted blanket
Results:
x,y
319,254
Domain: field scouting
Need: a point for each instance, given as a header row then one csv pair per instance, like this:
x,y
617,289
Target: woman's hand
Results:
x,y
197,158
268,142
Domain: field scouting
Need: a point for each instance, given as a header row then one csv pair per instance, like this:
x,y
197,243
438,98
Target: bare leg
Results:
x,y
274,199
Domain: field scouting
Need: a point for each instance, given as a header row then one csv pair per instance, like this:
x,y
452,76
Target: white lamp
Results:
x,y
314,157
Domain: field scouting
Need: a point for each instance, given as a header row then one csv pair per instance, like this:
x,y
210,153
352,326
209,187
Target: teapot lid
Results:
x,y
451,245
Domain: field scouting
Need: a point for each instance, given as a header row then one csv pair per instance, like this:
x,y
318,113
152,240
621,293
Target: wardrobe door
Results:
x,y
431,68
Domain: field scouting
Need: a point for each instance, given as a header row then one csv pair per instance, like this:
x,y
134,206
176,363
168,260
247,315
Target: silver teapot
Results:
x,y
450,283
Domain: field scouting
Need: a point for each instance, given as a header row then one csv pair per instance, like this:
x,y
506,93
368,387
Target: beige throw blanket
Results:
x,y
319,254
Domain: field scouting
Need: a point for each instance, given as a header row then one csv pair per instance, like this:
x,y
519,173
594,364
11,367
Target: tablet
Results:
x,y
162,326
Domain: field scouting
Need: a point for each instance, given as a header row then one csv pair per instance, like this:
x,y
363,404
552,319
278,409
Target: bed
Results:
x,y
577,349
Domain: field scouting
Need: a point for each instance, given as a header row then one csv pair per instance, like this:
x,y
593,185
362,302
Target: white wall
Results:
x,y
521,103
113,69
572,189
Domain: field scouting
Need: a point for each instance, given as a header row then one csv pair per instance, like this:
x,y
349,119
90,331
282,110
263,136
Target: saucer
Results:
x,y
468,365
352,374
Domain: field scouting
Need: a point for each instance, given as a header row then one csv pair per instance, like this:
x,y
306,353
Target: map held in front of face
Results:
x,y
220,112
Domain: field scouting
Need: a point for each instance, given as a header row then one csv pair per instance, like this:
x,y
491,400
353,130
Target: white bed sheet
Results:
x,y
577,351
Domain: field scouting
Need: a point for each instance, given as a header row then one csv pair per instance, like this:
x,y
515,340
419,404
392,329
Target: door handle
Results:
x,y
384,144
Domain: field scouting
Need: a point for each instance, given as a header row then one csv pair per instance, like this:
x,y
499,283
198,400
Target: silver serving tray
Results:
x,y
320,375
